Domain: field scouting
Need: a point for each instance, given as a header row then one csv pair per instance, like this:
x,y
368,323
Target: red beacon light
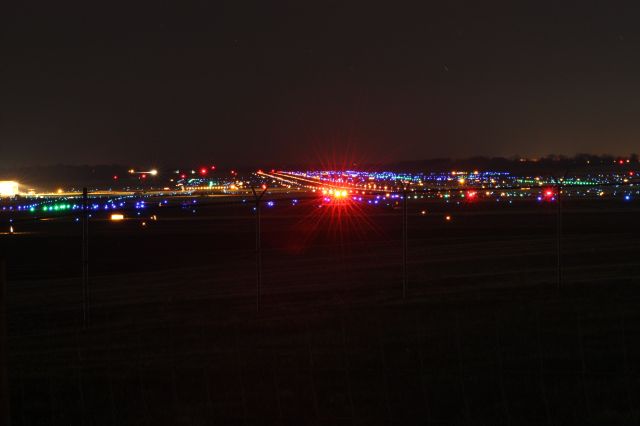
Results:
x,y
115,177
472,195
203,171
143,176
213,167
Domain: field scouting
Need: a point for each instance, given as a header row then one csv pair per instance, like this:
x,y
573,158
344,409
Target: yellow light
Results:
x,y
117,216
447,217
153,172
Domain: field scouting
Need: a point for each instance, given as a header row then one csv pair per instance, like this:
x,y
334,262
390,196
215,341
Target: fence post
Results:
x,y
559,235
258,197
85,258
404,243
4,349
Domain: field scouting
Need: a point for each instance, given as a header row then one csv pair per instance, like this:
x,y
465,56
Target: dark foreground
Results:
x,y
484,337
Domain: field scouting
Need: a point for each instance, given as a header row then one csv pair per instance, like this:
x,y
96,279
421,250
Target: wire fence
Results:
x,y
387,313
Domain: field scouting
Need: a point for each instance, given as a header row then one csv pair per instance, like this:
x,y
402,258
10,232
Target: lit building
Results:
x,y
8,188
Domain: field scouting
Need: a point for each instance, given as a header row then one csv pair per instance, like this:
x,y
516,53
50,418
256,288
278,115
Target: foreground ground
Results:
x,y
484,336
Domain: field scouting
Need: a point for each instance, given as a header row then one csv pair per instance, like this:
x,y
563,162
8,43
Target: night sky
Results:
x,y
248,83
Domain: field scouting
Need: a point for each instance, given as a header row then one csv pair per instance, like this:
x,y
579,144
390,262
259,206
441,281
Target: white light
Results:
x,y
153,172
8,188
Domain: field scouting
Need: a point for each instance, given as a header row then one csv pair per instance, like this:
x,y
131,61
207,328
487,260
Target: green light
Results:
x,y
32,209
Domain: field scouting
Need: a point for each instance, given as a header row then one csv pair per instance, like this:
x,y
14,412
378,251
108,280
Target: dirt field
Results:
x,y
484,336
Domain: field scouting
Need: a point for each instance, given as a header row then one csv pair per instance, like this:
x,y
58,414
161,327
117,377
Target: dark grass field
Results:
x,y
484,336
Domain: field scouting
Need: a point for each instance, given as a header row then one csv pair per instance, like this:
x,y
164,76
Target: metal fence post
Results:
x,y
404,243
559,236
258,197
85,258
4,349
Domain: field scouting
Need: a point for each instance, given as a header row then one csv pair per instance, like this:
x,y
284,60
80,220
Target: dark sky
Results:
x,y
248,83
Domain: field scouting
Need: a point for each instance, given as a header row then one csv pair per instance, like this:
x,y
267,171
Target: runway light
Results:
x,y
117,217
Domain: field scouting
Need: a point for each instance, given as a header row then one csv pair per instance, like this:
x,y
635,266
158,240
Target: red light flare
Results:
x,y
143,176
213,167
183,176
332,220
472,195
115,177
204,171
549,194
